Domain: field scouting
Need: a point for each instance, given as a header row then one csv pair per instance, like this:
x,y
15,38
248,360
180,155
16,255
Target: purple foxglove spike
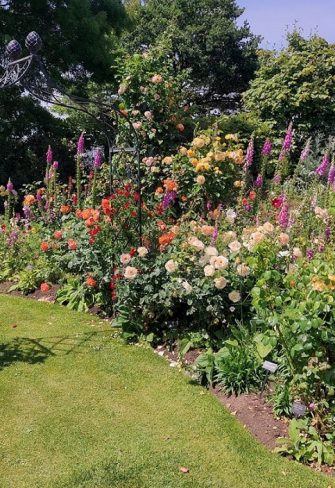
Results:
x,y
259,181
81,144
215,233
306,151
287,144
322,168
249,157
331,175
97,159
10,186
49,155
328,233
277,179
169,198
267,148
55,165
283,217
309,254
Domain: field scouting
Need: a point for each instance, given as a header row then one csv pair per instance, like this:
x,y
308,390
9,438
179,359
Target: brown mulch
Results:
x,y
49,296
252,410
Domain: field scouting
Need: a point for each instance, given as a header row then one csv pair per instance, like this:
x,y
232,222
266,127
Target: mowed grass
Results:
x,y
78,409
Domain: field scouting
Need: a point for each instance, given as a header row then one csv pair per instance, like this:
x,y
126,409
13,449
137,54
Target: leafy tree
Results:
x,y
79,36
297,83
206,39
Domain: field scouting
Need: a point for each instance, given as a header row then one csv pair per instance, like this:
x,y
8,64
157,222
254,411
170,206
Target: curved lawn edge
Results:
x,y
81,409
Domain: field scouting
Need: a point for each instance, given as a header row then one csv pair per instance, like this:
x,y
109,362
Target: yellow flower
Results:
x,y
238,184
198,142
220,156
190,153
194,162
231,137
318,285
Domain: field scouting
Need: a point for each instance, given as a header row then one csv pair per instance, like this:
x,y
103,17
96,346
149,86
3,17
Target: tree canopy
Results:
x,y
205,38
78,35
297,83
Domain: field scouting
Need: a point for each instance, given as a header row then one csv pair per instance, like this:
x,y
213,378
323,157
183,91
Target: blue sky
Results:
x,y
270,18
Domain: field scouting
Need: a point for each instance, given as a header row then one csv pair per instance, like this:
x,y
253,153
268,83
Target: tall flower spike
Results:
x,y
306,151
267,148
322,168
10,186
49,155
259,181
81,144
331,175
97,159
287,144
250,155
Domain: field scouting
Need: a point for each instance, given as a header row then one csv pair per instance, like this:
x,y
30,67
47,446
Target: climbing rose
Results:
x,y
44,246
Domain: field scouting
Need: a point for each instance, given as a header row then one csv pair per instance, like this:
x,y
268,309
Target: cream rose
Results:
x,y
142,251
195,242
234,296
130,273
231,215
220,283
125,258
283,239
211,251
221,262
209,270
171,266
243,270
235,246
200,180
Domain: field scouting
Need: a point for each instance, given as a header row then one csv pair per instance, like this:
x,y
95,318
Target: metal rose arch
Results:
x,y
30,74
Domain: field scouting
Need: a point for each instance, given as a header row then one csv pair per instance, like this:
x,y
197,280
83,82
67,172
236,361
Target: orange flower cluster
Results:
x,y
166,239
170,185
91,216
29,200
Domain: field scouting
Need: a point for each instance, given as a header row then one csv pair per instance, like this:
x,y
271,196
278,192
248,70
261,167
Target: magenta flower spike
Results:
x,y
81,144
287,144
10,186
267,148
322,168
55,165
331,175
49,155
250,155
97,159
283,217
306,151
259,181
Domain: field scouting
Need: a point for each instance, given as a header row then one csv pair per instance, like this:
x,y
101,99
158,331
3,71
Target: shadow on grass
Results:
x,y
34,351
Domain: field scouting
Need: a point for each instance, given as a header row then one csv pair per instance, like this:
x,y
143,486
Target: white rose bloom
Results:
x,y
234,296
205,260
200,180
125,258
221,262
211,251
187,286
231,215
130,273
243,270
195,242
297,253
171,266
142,251
229,236
268,227
220,283
209,270
235,246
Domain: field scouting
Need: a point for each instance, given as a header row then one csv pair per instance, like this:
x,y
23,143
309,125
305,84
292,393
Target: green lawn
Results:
x,y
79,409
